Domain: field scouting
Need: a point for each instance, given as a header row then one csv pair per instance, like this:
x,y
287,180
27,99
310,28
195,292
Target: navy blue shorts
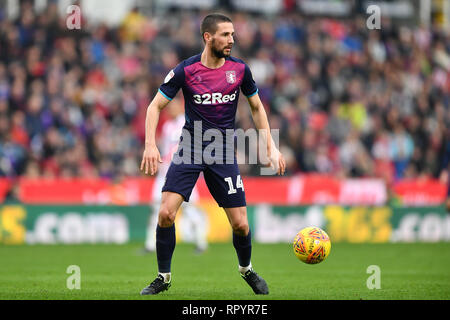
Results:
x,y
223,180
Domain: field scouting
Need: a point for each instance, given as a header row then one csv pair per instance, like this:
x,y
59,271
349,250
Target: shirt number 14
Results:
x,y
239,184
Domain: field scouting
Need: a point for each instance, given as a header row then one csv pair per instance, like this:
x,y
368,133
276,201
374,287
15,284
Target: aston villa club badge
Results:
x,y
231,76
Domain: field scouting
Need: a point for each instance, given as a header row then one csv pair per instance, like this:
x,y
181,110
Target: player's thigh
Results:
x,y
170,203
181,179
225,185
237,217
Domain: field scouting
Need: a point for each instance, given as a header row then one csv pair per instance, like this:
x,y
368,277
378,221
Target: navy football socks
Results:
x,y
243,246
165,245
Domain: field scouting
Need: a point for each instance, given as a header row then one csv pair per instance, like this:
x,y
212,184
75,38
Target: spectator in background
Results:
x,y
381,153
401,149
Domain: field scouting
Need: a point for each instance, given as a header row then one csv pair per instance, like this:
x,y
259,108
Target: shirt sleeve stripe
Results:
x,y
249,96
165,95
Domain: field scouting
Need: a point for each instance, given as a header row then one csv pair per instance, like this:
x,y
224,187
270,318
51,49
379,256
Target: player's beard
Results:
x,y
219,53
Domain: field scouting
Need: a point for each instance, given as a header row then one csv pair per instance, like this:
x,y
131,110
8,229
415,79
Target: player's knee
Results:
x,y
166,217
240,227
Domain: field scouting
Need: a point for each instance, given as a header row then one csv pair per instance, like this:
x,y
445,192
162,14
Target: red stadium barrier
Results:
x,y
5,185
420,192
76,191
297,190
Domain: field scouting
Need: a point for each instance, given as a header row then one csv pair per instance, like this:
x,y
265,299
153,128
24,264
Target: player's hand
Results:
x,y
277,162
150,159
281,164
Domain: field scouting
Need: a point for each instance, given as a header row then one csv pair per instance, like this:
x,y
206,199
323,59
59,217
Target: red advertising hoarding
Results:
x,y
300,189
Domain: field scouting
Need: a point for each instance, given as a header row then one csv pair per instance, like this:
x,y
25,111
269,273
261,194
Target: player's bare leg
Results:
x,y
243,245
238,220
170,203
165,241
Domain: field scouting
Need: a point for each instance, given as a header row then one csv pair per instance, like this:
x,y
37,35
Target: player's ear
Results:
x,y
207,37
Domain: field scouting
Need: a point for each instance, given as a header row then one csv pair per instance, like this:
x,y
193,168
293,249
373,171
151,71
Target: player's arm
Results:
x,y
259,116
151,155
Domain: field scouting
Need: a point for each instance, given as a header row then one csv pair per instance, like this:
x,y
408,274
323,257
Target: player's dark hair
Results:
x,y
210,22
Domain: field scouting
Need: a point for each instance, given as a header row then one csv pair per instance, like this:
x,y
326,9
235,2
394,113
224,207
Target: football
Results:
x,y
312,245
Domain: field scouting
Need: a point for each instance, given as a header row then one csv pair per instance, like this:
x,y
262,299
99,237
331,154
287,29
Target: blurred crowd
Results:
x,y
348,101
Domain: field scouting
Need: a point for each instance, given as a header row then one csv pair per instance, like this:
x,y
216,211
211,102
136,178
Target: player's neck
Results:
x,y
210,61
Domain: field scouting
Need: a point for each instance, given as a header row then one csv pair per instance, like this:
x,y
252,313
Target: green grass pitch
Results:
x,y
408,271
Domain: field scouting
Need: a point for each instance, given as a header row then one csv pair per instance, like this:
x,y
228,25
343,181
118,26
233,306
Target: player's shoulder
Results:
x,y
236,60
191,60
239,62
